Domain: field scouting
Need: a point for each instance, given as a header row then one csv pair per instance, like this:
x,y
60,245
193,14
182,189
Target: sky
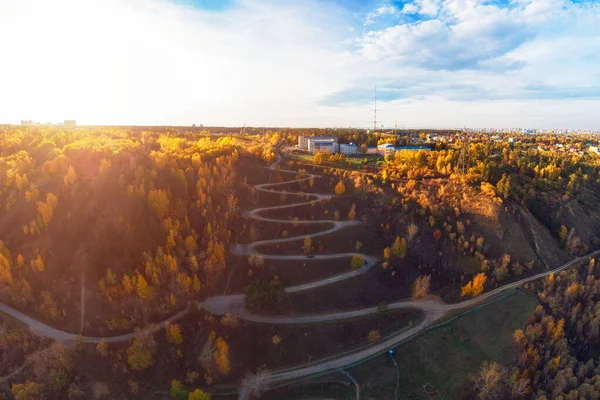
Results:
x,y
302,63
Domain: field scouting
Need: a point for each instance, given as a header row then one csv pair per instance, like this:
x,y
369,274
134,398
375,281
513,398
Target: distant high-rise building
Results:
x,y
26,122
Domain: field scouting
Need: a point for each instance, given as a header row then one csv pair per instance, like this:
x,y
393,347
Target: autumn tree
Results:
x,y
71,177
198,395
352,212
178,391
373,336
39,263
399,247
307,245
562,233
318,158
190,244
142,288
46,210
256,261
357,262
222,356
28,391
102,348
159,201
387,253
475,287
53,368
6,276
174,334
139,354
340,188
420,287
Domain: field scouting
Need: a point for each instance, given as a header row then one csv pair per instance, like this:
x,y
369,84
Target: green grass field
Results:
x,y
351,162
439,363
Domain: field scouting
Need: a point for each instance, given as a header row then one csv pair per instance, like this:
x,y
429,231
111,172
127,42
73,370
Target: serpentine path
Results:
x,y
235,303
432,309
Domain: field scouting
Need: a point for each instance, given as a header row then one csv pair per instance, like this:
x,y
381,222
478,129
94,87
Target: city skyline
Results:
x,y
437,64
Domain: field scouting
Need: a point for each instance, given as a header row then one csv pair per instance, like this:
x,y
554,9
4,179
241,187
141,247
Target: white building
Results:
x,y
594,149
349,149
386,149
319,144
303,140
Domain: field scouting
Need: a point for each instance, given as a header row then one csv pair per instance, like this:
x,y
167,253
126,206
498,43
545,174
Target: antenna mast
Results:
x,y
375,111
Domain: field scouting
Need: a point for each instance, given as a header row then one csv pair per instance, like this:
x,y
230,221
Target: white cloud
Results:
x,y
151,62
410,8
461,34
294,63
382,10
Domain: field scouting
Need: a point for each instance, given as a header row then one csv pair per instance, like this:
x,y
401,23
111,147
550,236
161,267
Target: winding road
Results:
x,y
432,309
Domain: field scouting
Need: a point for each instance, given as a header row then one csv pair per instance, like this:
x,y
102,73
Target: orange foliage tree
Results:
x,y
475,287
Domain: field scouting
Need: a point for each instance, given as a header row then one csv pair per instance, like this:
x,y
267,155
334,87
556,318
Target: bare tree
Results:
x,y
206,355
254,384
488,381
421,287
412,231
256,260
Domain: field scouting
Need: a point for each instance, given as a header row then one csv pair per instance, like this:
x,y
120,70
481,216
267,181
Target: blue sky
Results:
x,y
208,5
436,63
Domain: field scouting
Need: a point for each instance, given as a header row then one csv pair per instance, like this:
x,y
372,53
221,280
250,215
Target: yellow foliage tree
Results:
x,y
198,395
196,286
39,263
142,288
387,253
71,177
475,287
158,200
5,269
399,247
52,200
357,262
374,336
352,212
139,356
102,348
190,244
222,356
45,211
127,284
307,244
340,188
174,334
